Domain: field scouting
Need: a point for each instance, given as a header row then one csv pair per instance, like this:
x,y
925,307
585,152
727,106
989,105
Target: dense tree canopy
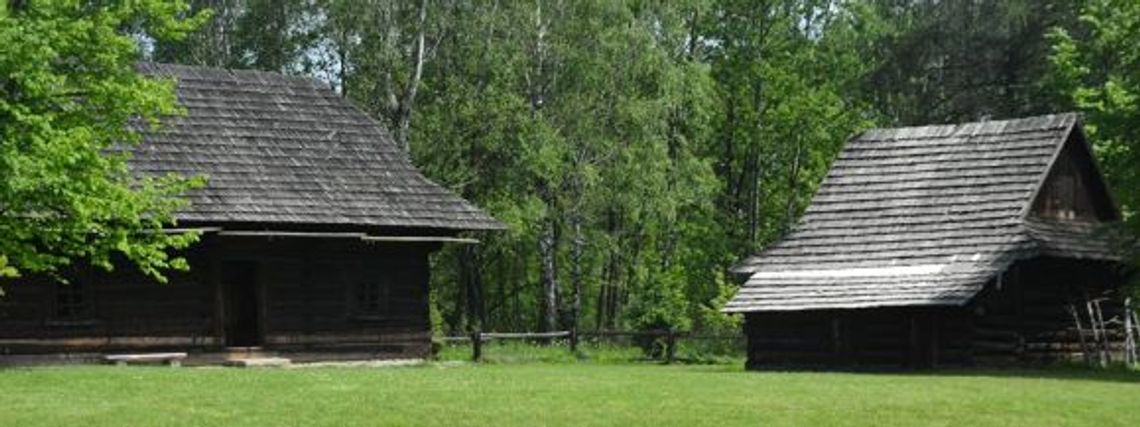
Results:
x,y
1096,70
636,148
70,100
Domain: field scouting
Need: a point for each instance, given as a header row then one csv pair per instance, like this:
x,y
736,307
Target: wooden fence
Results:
x,y
670,339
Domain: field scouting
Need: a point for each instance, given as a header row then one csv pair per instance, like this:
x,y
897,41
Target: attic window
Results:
x,y
1062,197
1062,193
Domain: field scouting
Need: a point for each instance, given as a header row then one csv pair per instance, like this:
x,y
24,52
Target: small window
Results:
x,y
72,304
370,299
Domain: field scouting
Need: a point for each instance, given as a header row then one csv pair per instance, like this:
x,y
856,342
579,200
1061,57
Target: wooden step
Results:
x,y
259,362
234,353
172,359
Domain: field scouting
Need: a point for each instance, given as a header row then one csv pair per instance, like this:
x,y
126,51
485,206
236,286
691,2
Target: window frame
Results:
x,y
370,298
81,303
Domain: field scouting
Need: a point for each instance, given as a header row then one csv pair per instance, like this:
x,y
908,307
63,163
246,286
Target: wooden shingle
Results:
x,y
288,151
919,216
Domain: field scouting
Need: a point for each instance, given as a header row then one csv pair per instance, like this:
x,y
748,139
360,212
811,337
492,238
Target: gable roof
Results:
x,y
918,216
287,151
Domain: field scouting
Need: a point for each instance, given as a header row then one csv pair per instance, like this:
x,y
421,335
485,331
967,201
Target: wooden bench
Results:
x,y
172,359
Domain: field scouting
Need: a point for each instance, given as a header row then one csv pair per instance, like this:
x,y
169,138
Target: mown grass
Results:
x,y
515,352
591,351
451,393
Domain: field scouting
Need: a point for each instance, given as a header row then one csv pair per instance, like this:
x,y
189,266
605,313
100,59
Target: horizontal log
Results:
x,y
524,335
794,357
110,341
656,333
992,332
333,338
768,342
97,345
1001,347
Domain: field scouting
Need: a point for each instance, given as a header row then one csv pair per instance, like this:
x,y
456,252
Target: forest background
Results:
x,y
637,149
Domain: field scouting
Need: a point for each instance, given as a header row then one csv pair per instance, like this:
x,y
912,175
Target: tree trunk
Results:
x,y
793,188
407,102
473,287
548,251
576,249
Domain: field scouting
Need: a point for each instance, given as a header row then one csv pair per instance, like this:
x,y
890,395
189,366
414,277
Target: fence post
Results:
x,y
1130,355
574,340
670,345
476,346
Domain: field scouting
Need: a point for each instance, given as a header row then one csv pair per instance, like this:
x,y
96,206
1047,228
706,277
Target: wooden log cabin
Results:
x,y
317,230
970,244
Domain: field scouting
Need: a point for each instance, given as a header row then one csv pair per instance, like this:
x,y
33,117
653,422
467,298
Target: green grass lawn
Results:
x,y
560,394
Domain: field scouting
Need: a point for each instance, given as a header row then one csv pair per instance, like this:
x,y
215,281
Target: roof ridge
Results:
x,y
975,128
194,72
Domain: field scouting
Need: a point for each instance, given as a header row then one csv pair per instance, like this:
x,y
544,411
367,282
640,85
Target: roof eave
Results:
x,y
868,306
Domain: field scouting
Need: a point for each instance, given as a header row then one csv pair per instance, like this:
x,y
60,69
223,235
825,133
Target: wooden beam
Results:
x,y
191,230
934,339
915,346
346,235
309,234
421,239
836,339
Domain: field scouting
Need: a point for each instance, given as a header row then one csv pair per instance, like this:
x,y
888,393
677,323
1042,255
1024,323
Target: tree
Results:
x,y
787,72
71,103
638,149
379,50
1094,69
952,61
214,42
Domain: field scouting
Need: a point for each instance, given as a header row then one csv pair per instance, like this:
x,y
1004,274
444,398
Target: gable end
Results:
x,y
1073,188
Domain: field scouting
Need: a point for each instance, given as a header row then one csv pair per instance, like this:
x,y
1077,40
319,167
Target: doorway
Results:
x,y
241,300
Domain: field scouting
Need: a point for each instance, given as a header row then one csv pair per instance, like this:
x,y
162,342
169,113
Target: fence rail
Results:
x,y
670,337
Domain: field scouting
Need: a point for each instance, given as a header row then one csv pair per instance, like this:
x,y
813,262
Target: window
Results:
x,y
72,304
371,299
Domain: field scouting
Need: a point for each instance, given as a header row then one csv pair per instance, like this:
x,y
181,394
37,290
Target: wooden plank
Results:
x,y
145,357
524,335
421,239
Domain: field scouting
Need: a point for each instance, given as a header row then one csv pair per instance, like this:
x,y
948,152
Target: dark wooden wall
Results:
x,y
872,338
1074,188
1021,318
307,287
1025,318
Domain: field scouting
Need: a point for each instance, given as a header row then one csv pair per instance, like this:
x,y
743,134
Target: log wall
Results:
x,y
1021,318
872,338
1024,318
307,289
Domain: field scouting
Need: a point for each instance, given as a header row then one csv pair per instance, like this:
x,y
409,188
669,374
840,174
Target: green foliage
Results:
x,y
557,352
71,103
638,149
953,61
787,73
710,316
1094,70
7,271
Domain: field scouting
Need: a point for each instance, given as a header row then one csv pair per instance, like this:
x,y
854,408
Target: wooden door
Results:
x,y
242,302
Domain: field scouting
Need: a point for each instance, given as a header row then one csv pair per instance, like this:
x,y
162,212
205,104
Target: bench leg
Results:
x,y
120,363
175,363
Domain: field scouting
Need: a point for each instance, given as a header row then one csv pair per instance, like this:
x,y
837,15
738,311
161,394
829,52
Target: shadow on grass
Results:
x,y
1118,374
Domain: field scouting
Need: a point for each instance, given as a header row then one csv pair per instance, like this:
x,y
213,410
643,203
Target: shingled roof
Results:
x,y
920,216
287,151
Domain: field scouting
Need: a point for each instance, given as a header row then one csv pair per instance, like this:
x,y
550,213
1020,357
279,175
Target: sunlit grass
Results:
x,y
561,393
